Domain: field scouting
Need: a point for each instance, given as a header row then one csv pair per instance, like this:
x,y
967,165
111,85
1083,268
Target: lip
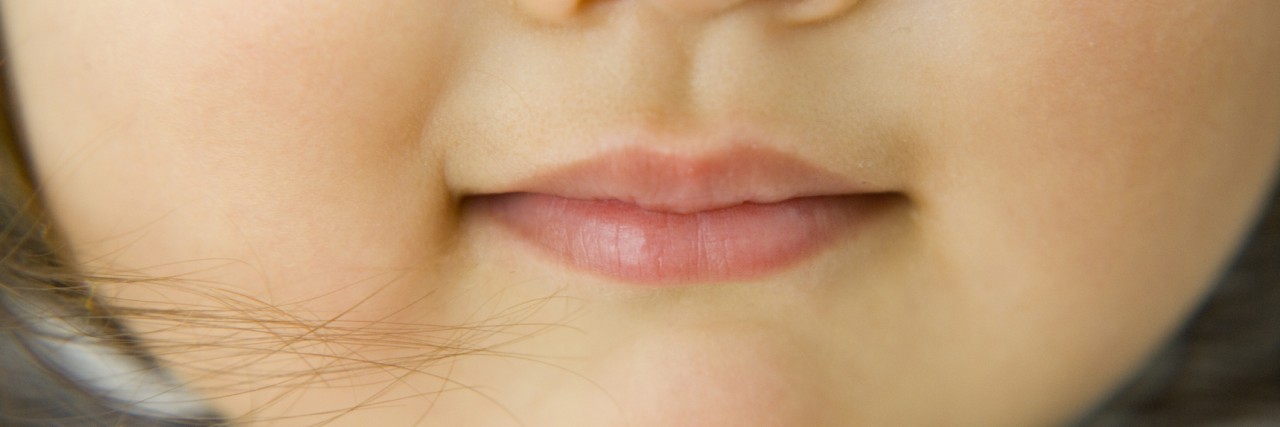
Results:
x,y
647,217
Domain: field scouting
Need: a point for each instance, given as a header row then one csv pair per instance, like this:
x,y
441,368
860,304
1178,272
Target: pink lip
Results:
x,y
653,218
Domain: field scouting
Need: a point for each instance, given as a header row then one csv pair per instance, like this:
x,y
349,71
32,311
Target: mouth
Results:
x,y
650,218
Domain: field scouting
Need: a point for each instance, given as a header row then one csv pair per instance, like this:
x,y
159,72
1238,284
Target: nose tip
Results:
x,y
807,11
799,11
564,10
696,8
550,10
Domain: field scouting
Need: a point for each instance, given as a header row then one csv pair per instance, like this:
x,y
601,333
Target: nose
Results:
x,y
563,10
697,7
799,11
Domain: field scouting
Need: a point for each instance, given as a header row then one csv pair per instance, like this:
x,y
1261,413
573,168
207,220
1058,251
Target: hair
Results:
x,y
67,359
54,342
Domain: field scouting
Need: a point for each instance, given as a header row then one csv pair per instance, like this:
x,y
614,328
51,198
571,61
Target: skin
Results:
x,y
1072,176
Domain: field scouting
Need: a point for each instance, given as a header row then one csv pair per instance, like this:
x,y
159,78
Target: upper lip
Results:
x,y
675,182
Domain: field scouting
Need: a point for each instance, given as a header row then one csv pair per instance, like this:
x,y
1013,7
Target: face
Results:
x,y
479,212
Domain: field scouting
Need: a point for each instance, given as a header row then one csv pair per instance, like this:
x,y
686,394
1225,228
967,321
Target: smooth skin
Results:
x,y
1072,175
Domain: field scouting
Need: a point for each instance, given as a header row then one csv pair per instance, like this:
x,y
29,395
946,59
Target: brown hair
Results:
x,y
49,325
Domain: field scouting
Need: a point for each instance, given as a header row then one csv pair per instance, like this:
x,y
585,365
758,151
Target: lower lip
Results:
x,y
625,242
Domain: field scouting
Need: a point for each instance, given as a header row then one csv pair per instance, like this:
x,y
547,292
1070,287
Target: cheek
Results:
x,y
1090,174
257,139
1127,139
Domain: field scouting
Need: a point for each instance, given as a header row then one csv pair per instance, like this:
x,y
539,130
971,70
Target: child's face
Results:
x,y
1064,179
